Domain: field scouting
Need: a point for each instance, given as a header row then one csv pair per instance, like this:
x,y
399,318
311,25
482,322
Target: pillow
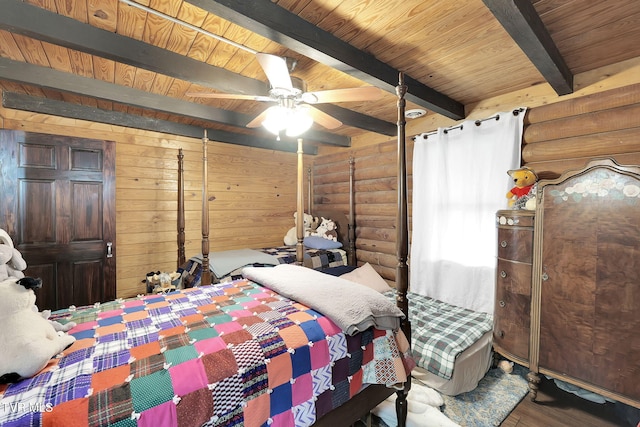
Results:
x,y
317,242
368,276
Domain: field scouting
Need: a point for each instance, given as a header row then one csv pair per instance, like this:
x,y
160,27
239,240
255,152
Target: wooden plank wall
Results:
x,y
252,193
375,188
567,134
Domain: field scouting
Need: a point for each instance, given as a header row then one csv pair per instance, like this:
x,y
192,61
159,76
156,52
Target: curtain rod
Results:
x,y
460,126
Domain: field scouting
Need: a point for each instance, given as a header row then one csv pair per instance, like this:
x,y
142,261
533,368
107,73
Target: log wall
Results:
x,y
252,193
567,134
558,136
375,188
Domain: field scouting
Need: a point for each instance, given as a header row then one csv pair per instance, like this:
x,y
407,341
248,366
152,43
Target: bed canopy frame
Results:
x,y
373,395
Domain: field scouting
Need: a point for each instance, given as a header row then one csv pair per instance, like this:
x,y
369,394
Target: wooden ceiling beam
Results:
x,y
367,122
31,21
525,27
24,102
23,73
275,23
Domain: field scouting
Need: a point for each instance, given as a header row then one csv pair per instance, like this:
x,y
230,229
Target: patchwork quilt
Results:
x,y
228,354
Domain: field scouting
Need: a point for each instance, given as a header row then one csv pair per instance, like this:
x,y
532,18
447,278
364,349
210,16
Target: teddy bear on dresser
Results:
x,y
523,194
27,340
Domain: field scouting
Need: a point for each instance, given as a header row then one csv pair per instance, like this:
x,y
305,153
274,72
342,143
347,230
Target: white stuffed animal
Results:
x,y
326,229
27,340
11,262
291,238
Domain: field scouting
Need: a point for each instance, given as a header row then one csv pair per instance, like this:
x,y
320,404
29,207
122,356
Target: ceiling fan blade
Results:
x,y
323,118
259,118
228,96
367,93
275,67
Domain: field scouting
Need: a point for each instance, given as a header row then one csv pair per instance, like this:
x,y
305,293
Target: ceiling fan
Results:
x,y
294,111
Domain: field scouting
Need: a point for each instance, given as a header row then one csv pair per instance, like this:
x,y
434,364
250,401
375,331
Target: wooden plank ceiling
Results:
x,y
108,61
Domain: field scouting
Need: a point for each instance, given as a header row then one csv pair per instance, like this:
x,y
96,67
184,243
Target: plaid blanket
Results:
x,y
222,355
441,331
313,258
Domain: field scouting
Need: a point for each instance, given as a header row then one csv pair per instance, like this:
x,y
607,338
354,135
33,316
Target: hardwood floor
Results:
x,y
557,408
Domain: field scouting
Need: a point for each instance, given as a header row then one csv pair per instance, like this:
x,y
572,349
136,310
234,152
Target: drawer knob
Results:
x,y
545,277
501,303
503,274
503,243
501,334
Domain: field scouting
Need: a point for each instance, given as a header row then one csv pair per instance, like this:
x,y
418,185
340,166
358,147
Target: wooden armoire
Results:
x,y
568,284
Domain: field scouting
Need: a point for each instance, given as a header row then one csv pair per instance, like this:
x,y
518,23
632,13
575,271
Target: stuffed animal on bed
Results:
x,y
523,194
27,340
11,262
291,238
326,229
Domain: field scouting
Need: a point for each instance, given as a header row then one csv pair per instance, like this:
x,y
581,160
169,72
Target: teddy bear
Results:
x,y
523,194
326,229
291,238
11,262
27,340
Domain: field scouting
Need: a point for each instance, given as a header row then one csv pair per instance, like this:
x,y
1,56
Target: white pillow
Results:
x,y
366,275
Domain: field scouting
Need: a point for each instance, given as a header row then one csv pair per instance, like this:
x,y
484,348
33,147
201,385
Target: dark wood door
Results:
x,y
58,206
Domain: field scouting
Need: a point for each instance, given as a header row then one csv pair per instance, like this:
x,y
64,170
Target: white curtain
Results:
x,y
459,182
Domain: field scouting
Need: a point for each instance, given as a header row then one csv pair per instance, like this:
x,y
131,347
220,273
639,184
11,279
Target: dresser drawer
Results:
x,y
512,322
515,244
514,277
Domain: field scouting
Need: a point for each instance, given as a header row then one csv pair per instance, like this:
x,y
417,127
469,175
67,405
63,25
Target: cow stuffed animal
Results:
x,y
27,340
11,262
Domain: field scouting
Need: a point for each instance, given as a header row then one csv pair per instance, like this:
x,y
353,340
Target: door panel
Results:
x,y
59,208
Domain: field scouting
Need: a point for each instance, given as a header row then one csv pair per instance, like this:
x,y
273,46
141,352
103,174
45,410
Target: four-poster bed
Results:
x,y
374,394
226,354
315,254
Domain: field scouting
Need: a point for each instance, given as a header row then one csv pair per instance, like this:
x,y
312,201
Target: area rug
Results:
x,y
485,406
491,402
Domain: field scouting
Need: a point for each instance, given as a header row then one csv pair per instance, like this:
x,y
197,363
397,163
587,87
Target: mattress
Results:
x,y
317,259
452,345
470,367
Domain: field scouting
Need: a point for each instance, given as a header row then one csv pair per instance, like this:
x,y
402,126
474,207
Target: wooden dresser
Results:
x,y
583,326
511,328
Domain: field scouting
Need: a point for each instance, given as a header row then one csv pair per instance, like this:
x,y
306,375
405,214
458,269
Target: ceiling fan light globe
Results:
x,y
299,123
277,120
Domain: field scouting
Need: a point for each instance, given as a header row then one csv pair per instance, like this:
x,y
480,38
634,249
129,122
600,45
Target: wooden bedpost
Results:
x,y
300,206
402,237
351,255
309,192
206,272
181,239
402,241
